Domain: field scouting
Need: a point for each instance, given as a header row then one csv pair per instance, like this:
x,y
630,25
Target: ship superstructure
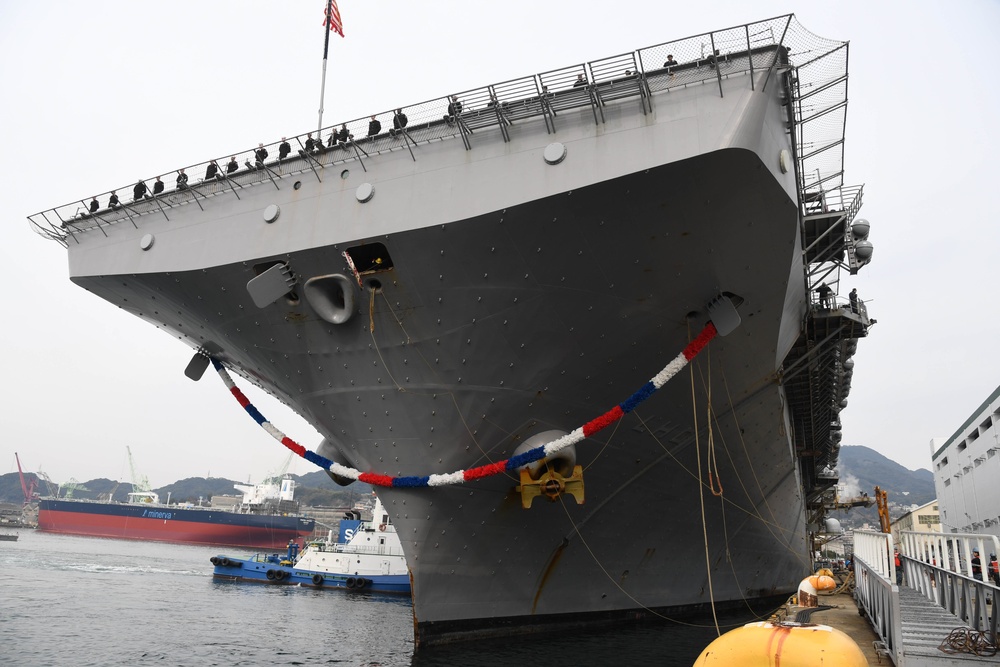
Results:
x,y
507,266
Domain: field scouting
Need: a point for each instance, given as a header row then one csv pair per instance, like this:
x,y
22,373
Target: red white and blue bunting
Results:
x,y
507,465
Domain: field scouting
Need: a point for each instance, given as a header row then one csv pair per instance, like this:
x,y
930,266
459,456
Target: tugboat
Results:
x,y
371,559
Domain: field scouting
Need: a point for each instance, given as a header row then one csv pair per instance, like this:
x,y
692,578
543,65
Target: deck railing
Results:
x,y
375,550
707,58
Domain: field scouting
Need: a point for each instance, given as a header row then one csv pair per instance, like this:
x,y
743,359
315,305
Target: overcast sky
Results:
x,y
97,94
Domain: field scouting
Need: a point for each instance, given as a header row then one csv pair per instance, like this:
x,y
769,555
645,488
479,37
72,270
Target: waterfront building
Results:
x,y
966,468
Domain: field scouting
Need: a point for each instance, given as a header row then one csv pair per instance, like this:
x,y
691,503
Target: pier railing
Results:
x,y
875,589
705,59
943,567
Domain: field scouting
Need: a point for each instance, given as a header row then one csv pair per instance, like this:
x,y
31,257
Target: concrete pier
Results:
x,y
845,617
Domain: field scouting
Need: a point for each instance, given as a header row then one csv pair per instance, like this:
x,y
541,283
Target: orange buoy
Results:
x,y
808,589
822,582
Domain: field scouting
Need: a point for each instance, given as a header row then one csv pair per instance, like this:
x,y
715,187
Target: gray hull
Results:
x,y
512,297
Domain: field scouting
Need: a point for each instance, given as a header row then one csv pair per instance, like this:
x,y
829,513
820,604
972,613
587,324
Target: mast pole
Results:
x,y
326,50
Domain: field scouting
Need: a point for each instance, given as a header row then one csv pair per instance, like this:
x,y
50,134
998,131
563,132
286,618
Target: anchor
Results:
x,y
551,485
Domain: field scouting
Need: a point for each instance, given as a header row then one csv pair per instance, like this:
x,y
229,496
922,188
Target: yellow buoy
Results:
x,y
766,644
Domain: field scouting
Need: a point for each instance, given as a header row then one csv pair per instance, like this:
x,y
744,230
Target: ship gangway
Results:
x,y
935,617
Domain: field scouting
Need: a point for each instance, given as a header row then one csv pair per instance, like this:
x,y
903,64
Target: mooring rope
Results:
x,y
511,464
701,500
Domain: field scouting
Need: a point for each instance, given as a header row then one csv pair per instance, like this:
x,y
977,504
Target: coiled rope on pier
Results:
x,y
513,463
967,640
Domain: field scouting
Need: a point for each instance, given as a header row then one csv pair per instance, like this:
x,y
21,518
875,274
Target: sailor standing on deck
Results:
x,y
398,122
343,135
260,155
824,292
454,109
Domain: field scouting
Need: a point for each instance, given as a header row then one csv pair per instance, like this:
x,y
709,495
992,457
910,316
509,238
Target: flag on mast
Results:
x,y
332,20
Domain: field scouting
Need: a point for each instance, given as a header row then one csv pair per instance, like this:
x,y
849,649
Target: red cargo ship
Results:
x,y
168,523
266,519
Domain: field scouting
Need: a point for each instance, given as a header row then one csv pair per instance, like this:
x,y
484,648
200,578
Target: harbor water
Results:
x,y
89,601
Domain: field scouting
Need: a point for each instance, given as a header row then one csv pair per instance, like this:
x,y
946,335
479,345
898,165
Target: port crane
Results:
x,y
140,483
71,486
882,500
142,490
278,475
52,487
29,489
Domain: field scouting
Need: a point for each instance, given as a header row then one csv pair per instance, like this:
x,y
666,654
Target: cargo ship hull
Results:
x,y
171,524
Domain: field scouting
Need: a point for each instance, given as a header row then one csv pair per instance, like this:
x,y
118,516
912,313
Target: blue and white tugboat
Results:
x,y
371,559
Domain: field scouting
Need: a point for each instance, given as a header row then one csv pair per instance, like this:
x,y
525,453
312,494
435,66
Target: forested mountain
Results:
x,y
862,469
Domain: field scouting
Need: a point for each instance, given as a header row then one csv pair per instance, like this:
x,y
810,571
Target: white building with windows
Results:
x,y
923,519
967,472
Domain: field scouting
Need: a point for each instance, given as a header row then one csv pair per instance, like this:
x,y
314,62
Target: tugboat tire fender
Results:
x,y
214,560
317,579
350,583
271,575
